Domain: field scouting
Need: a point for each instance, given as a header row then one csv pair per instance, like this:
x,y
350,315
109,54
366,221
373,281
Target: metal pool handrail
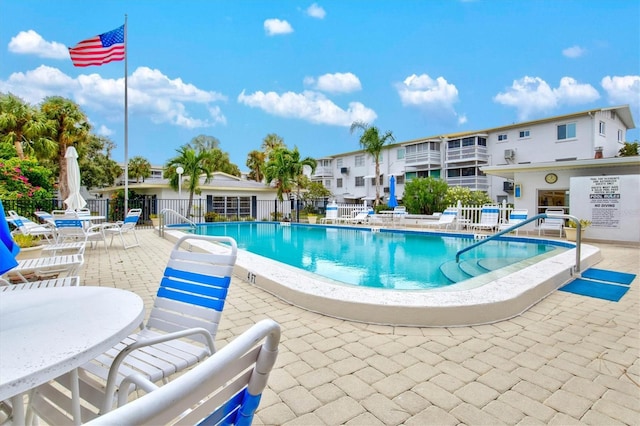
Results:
x,y
576,267
163,214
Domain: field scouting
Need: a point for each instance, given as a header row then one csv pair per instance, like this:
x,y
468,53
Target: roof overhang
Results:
x,y
508,170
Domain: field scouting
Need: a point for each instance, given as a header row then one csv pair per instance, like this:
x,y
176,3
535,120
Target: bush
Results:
x,y
213,217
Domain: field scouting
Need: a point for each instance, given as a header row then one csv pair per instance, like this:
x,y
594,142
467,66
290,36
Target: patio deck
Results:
x,y
568,360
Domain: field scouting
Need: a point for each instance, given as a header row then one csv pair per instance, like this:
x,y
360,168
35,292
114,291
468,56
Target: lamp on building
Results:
x,y
179,171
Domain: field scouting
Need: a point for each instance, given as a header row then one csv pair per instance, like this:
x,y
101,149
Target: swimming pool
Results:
x,y
491,297
400,260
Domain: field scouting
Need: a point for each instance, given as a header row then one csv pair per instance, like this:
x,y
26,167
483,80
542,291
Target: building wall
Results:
x,y
541,144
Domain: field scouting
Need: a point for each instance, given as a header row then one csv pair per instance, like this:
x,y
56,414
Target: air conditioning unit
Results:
x,y
507,186
509,154
344,170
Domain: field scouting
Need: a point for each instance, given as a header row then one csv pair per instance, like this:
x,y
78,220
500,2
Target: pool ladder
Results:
x,y
163,216
576,267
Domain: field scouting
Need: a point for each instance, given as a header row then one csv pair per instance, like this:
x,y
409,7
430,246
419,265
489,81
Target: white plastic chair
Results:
x,y
446,219
28,227
32,285
72,228
180,332
552,223
224,389
44,266
515,217
489,216
123,227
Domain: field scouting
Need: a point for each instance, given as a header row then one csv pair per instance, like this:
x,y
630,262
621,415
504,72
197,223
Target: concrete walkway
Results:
x,y
568,360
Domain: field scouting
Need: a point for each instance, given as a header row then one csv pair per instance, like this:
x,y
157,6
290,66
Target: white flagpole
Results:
x,y
126,124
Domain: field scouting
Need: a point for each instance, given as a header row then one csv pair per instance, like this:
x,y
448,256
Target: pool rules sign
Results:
x,y
611,203
605,198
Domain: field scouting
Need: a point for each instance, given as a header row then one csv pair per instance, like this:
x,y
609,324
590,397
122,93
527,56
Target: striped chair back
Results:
x,y
194,287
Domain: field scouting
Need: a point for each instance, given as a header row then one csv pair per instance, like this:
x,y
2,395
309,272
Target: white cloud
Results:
x,y
310,106
533,95
335,83
103,130
32,43
574,52
316,11
623,89
462,119
150,93
571,92
276,26
422,90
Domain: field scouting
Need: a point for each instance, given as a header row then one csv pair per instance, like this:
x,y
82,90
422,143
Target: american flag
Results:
x,y
98,50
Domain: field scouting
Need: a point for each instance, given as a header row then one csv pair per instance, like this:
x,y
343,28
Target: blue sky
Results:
x,y
305,70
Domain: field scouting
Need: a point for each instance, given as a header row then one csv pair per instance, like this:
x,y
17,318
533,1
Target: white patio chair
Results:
x,y
224,389
552,223
26,226
46,266
71,228
123,227
32,285
489,216
180,331
446,219
515,217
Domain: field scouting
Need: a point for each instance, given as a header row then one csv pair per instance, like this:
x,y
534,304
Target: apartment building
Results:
x,y
465,158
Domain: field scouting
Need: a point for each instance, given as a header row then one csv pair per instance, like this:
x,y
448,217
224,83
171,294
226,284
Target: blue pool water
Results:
x,y
388,259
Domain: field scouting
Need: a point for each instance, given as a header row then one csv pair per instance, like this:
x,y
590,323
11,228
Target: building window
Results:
x,y
339,183
601,128
359,160
525,134
502,137
400,153
327,183
411,175
400,179
468,141
620,138
454,144
359,180
482,141
339,163
566,131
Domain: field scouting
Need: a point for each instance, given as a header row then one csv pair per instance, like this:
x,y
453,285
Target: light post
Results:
x,y
180,171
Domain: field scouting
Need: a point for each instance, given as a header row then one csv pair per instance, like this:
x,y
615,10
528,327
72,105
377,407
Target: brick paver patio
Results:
x,y
568,360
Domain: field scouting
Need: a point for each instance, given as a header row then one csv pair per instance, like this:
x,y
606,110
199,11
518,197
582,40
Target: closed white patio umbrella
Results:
x,y
75,200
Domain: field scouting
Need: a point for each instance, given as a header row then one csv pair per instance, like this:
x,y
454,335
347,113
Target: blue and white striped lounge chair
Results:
x,y
515,217
180,332
489,216
26,226
224,389
446,219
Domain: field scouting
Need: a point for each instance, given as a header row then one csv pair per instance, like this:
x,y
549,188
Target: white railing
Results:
x,y
466,214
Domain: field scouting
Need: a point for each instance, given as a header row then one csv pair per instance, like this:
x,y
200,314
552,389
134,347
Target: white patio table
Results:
x,y
48,332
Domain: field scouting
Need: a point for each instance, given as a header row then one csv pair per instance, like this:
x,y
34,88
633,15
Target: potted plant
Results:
x,y
312,218
571,231
30,246
155,220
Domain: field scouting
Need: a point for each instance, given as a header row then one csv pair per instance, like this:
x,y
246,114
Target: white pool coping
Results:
x,y
502,298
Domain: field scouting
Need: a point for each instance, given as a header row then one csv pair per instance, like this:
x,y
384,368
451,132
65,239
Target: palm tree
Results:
x,y
68,126
195,164
24,127
372,143
271,142
287,168
255,163
139,167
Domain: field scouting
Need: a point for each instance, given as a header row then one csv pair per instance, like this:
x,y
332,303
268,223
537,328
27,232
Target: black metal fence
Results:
x,y
236,208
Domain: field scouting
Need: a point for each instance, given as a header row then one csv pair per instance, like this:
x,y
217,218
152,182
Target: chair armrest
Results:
x,y
115,365
137,380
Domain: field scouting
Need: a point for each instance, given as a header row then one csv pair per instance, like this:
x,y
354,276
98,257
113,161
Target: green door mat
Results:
x,y
601,284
